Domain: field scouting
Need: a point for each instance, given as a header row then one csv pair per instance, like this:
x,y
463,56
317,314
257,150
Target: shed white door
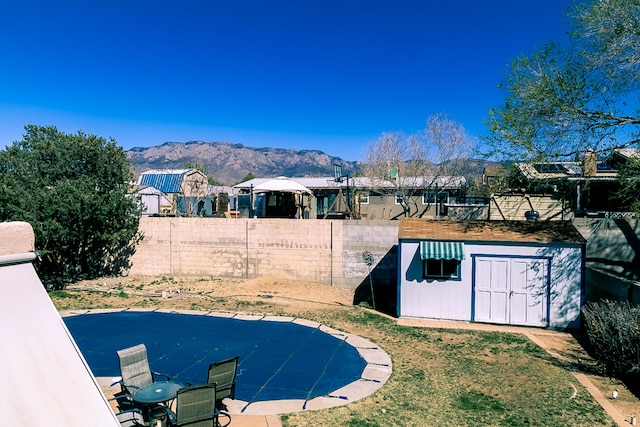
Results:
x,y
511,290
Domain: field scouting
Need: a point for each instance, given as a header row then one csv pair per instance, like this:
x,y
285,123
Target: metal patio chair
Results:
x,y
196,407
223,374
135,373
130,418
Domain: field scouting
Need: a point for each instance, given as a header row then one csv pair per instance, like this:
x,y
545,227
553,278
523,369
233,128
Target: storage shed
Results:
x,y
528,273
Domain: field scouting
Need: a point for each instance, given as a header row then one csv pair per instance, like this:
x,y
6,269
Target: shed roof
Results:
x,y
167,181
502,231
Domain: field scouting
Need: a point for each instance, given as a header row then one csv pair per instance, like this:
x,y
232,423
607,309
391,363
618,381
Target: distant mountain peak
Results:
x,y
229,162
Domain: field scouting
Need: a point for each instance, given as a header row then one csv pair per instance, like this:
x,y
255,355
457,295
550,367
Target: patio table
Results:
x,y
161,392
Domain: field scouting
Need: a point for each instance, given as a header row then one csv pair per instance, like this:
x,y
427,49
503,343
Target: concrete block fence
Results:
x,y
324,251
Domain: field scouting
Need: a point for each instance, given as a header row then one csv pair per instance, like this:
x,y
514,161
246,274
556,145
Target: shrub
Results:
x,y
613,332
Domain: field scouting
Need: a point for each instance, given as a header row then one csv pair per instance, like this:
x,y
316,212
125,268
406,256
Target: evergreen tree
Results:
x,y
74,191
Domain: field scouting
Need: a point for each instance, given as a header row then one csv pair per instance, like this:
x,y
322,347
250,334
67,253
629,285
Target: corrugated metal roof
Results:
x,y
503,231
167,181
328,182
309,182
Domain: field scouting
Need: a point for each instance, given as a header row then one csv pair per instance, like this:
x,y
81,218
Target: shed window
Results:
x,y
442,268
441,259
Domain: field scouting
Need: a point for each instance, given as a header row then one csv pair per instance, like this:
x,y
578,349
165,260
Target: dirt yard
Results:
x,y
293,298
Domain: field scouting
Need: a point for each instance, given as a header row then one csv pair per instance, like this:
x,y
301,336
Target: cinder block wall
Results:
x,y
380,238
323,251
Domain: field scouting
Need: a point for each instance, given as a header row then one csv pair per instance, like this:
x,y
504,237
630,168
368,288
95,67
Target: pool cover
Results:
x,y
278,359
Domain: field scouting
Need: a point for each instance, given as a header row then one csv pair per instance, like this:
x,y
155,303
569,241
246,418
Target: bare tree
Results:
x,y
410,165
195,189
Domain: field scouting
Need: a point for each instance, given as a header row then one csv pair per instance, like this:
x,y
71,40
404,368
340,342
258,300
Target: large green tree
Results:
x,y
580,95
74,190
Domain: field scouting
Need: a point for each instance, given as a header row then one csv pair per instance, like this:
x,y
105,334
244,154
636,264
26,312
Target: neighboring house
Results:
x,y
440,196
186,190
526,273
365,198
585,188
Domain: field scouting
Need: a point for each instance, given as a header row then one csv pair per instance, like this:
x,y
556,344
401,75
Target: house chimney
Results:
x,y
589,164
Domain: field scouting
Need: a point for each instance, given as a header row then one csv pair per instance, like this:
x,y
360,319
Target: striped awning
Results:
x,y
441,250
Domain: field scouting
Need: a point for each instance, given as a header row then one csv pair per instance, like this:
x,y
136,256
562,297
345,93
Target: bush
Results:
x,y
613,332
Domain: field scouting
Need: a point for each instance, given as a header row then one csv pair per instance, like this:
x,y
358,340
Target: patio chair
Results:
x,y
196,407
223,374
135,373
130,418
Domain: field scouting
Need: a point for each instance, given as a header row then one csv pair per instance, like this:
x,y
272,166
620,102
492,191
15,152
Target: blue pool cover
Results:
x,y
278,359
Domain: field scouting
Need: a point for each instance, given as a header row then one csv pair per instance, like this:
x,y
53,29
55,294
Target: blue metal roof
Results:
x,y
165,181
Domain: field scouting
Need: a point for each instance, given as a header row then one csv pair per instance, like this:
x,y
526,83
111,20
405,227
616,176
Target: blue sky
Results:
x,y
330,75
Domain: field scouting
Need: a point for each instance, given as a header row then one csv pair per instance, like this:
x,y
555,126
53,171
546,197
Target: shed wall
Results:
x,y
453,299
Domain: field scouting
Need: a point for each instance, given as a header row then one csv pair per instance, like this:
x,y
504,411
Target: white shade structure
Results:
x,y
281,184
45,379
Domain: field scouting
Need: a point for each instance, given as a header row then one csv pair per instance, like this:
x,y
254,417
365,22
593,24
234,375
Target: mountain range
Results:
x,y
229,163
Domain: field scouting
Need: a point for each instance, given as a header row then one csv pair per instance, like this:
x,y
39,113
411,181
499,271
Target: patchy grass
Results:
x,y
61,294
462,378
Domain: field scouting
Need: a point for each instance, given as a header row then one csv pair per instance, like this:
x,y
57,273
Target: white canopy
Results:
x,y
281,184
45,379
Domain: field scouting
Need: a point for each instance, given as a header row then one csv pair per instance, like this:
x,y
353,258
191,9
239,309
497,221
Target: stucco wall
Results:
x,y
17,238
613,258
602,285
324,251
613,245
